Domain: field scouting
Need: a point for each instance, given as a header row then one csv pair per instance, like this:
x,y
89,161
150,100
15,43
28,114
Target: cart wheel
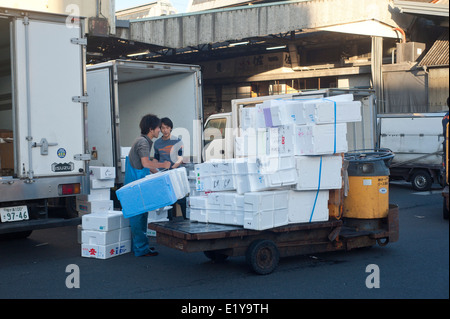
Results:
x,y
215,256
262,256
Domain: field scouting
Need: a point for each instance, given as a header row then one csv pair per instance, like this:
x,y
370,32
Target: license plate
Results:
x,y
13,214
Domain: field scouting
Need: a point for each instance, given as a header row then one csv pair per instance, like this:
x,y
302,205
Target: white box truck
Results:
x,y
416,139
122,91
42,119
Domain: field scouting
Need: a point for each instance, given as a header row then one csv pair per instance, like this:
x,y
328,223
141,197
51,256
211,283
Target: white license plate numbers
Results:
x,y
13,214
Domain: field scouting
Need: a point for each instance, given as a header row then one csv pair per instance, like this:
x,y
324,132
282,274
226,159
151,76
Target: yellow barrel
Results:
x,y
368,192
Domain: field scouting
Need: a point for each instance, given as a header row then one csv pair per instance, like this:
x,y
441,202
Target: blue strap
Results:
x,y
318,189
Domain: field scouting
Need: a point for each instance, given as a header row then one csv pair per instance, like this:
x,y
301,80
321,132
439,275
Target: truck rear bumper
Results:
x,y
47,187
34,224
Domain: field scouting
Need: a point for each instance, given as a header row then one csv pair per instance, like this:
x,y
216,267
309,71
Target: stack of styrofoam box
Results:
x,y
99,198
105,235
214,176
218,207
286,163
153,192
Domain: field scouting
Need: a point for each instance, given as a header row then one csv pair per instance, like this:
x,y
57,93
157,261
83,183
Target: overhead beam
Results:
x,y
183,30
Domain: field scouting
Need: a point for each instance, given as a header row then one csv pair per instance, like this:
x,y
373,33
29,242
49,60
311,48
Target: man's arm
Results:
x,y
146,162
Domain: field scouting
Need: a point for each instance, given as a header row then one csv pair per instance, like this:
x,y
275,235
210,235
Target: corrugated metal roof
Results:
x,y
433,8
438,53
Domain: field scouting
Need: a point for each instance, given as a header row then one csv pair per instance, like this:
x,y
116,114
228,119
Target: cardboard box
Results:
x,y
6,156
94,206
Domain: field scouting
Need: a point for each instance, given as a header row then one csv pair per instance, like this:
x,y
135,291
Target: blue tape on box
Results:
x,y
146,194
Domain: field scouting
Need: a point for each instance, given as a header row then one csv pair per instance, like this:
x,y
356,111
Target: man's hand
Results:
x,y
166,165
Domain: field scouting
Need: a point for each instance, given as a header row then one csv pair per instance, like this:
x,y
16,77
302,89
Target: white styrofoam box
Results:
x,y
96,237
214,175
280,217
258,220
260,121
199,215
124,234
215,216
199,202
242,183
323,112
271,111
94,206
158,214
215,183
101,183
281,178
105,251
179,180
124,222
303,204
234,217
123,163
104,221
79,229
308,169
124,151
271,163
320,139
266,201
102,172
283,112
96,194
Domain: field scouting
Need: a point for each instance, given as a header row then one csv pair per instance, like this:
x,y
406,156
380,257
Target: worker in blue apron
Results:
x,y
137,165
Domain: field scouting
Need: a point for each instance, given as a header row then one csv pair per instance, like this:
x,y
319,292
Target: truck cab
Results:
x,y
218,137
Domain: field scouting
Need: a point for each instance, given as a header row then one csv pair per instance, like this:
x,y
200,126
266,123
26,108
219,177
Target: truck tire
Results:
x,y
262,256
421,180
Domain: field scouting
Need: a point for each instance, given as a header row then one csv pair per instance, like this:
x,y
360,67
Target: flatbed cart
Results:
x,y
263,249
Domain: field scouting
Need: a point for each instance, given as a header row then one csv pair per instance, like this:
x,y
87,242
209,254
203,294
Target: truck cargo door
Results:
x,y
48,64
100,134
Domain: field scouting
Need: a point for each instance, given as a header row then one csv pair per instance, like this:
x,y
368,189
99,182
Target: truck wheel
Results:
x,y
445,209
262,256
215,256
421,180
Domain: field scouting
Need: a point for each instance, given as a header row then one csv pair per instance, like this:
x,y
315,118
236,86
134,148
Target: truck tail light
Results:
x,y
69,189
